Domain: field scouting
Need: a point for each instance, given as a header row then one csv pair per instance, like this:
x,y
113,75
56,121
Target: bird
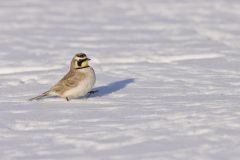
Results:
x,y
78,82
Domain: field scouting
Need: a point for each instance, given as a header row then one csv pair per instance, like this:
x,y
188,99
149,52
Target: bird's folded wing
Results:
x,y
69,81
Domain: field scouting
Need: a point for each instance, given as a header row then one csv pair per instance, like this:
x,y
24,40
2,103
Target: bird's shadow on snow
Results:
x,y
112,87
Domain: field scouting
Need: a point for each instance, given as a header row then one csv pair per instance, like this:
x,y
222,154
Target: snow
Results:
x,y
167,74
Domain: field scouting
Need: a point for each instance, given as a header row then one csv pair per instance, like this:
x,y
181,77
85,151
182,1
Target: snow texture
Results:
x,y
167,74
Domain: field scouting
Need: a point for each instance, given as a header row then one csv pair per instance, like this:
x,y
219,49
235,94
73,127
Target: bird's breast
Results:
x,y
84,85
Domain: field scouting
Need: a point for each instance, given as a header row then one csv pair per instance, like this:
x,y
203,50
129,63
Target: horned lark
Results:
x,y
76,83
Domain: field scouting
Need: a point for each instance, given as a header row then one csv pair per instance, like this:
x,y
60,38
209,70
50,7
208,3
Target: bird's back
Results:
x,y
75,83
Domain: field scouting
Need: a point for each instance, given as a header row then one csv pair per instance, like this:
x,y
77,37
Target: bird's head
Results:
x,y
79,61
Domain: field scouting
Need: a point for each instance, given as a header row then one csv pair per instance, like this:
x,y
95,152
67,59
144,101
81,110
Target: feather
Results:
x,y
40,96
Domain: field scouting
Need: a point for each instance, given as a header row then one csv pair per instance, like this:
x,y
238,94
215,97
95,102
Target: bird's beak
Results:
x,y
88,59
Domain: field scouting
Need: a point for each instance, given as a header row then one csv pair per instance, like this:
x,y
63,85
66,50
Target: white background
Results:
x,y
167,74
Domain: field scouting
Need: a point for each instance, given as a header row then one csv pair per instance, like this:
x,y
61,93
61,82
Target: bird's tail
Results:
x,y
40,96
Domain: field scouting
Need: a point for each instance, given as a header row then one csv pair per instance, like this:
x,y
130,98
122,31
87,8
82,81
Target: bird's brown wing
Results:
x,y
70,80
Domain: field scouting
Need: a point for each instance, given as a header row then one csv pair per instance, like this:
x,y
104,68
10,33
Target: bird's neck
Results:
x,y
82,67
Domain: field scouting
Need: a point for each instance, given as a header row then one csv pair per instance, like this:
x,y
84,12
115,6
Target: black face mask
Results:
x,y
79,63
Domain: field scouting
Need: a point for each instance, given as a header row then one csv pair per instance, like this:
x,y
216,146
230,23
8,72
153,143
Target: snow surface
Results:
x,y
167,74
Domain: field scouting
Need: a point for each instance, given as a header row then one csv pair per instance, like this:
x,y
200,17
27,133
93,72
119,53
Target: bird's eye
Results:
x,y
79,63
